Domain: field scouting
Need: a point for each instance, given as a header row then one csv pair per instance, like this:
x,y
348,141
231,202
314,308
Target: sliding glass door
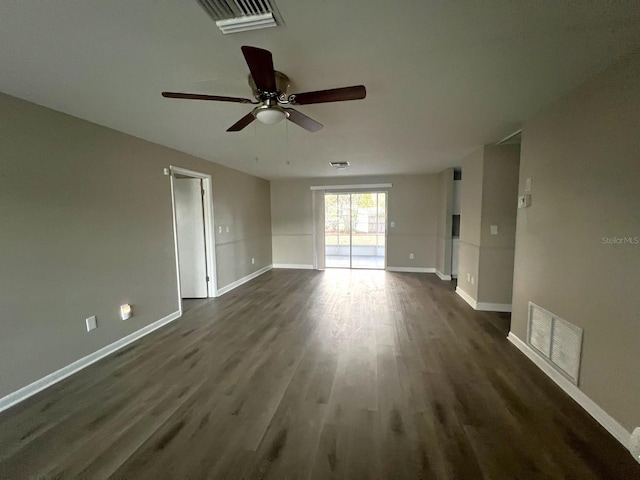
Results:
x,y
355,230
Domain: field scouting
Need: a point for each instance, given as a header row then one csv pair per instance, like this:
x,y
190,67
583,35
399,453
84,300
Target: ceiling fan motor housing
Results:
x,y
282,85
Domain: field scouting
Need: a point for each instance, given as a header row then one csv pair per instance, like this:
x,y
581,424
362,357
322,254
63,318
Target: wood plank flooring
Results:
x,y
314,375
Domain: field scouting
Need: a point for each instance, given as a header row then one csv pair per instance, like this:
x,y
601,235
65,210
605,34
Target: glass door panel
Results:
x,y
355,230
337,239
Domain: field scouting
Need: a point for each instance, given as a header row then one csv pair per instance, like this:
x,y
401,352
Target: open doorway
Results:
x,y
355,230
193,221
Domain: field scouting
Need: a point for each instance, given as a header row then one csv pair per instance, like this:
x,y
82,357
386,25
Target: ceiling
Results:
x,y
442,77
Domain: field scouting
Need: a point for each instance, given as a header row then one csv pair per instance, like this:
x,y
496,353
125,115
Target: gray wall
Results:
x,y
470,221
499,207
86,226
412,205
489,197
583,157
445,212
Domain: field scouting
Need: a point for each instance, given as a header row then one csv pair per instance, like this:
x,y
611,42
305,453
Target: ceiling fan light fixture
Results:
x,y
270,114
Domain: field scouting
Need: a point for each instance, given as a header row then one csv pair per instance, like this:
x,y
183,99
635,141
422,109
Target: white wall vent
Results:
x,y
339,165
557,340
233,16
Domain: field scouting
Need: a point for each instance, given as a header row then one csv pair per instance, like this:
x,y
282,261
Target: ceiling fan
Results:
x,y
270,90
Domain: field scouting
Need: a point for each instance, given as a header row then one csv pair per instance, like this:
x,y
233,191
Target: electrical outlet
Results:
x,y
527,185
473,279
126,312
634,444
92,323
468,277
220,229
494,229
524,201
393,224
411,256
253,261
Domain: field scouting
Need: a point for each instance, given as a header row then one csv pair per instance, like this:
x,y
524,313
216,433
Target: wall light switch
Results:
x,y
92,323
494,229
219,229
527,185
393,224
468,277
253,261
227,228
473,279
126,312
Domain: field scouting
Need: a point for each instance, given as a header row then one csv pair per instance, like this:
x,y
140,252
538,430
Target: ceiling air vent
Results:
x,y
233,16
339,165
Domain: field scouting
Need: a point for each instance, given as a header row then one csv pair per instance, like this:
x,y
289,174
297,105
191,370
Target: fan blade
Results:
x,y
260,64
243,122
334,95
197,96
302,120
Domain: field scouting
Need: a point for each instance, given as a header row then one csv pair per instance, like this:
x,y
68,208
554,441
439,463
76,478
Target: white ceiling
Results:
x,y
442,77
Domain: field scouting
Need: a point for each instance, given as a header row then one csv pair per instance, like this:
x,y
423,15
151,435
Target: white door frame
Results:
x,y
210,244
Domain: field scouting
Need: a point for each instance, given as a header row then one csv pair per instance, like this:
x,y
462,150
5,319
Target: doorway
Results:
x,y
193,220
355,230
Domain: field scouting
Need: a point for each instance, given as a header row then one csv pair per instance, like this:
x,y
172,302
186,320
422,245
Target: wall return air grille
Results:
x,y
233,16
559,341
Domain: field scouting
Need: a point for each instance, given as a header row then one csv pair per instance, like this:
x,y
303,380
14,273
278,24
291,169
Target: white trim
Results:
x,y
175,238
351,187
442,276
411,269
237,283
300,266
53,378
603,418
209,232
467,298
315,233
509,137
483,306
493,307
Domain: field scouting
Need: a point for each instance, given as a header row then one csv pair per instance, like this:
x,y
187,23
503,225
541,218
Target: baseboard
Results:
x,y
411,269
53,378
483,306
467,298
442,276
493,307
299,266
603,418
237,283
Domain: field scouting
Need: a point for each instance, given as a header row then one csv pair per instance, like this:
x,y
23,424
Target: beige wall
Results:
x,y
445,212
470,221
583,157
489,197
86,226
499,207
412,205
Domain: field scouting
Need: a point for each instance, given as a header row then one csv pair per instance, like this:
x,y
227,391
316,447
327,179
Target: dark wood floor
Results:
x,y
304,374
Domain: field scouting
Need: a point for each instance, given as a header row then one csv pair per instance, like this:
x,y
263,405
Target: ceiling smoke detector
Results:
x,y
339,165
234,16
